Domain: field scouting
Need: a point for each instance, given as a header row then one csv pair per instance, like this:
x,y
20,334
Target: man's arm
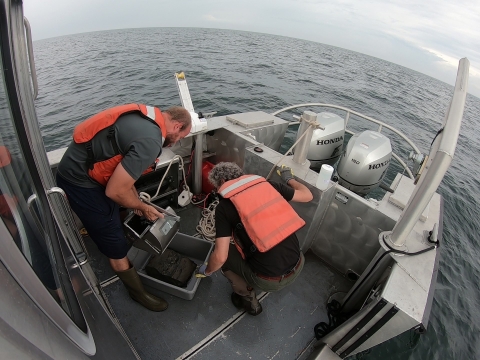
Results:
x,y
120,188
135,193
219,255
302,193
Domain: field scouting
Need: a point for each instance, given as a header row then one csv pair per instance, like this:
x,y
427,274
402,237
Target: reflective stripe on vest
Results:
x,y
151,112
266,216
84,132
239,184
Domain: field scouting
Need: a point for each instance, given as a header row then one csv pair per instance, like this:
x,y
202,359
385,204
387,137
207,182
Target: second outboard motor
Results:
x,y
326,145
364,164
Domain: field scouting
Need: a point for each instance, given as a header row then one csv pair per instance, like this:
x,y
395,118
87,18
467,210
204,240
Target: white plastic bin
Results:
x,y
196,249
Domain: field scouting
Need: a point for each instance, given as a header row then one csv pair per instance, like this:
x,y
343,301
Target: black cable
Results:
x,y
334,319
368,274
381,257
429,239
384,254
407,253
436,135
334,308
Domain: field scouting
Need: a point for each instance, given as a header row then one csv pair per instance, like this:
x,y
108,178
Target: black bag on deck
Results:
x,y
171,267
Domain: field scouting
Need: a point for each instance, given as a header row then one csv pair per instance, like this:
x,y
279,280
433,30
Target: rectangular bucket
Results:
x,y
196,249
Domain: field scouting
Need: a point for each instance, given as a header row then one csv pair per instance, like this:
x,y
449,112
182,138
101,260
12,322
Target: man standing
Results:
x,y
109,152
256,213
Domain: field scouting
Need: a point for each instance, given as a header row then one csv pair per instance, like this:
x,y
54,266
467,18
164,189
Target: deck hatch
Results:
x,y
251,119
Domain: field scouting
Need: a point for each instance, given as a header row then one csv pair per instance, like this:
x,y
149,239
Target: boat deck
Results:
x,y
210,327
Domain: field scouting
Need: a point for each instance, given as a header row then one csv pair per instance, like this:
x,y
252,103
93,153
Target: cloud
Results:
x,y
449,61
442,30
210,17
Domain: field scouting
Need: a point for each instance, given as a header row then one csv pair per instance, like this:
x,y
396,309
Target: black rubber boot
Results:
x,y
132,282
249,303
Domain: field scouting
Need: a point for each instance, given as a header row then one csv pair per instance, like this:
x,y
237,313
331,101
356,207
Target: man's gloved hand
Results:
x,y
286,173
200,271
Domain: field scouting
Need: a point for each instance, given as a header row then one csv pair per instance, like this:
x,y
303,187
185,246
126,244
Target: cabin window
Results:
x,y
26,219
23,218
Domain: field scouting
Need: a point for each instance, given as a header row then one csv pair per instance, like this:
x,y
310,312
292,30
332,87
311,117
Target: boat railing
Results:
x,y
381,126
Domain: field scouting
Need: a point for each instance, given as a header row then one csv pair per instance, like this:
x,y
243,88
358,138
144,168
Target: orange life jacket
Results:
x,y
266,216
5,199
84,132
5,157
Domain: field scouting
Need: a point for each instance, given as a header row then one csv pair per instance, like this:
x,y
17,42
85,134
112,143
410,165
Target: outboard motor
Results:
x,y
364,164
326,145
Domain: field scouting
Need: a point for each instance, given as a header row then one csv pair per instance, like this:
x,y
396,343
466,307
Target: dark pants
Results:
x,y
100,215
236,264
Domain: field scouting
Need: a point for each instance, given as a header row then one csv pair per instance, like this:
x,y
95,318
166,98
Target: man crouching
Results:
x,y
256,214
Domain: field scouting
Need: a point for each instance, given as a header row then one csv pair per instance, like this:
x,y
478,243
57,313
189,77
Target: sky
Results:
x,y
429,36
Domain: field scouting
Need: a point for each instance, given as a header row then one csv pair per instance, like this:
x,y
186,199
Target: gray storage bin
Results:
x,y
198,250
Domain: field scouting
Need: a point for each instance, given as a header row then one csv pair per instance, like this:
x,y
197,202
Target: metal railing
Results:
x,y
348,111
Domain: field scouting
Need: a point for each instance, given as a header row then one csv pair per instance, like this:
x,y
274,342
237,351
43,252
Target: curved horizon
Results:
x,y
269,34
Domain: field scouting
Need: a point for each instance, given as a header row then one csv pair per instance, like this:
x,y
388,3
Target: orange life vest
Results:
x,y
5,157
266,216
5,199
84,132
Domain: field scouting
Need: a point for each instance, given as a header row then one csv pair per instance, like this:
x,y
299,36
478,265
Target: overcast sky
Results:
x,y
429,36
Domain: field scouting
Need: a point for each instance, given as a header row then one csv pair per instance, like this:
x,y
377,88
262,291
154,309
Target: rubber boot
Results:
x,y
249,303
135,288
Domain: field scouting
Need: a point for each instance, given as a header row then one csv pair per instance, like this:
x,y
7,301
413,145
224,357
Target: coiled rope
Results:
x,y
206,225
145,196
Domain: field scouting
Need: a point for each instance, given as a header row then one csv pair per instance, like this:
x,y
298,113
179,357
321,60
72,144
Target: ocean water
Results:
x,y
233,71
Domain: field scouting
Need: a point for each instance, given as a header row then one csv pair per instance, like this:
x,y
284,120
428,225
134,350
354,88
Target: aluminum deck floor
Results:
x,y
210,327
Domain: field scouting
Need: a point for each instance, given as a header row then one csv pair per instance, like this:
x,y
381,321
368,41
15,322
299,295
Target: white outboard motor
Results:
x,y
364,164
326,145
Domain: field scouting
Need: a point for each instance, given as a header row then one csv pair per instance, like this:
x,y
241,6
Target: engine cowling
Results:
x,y
365,161
326,145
